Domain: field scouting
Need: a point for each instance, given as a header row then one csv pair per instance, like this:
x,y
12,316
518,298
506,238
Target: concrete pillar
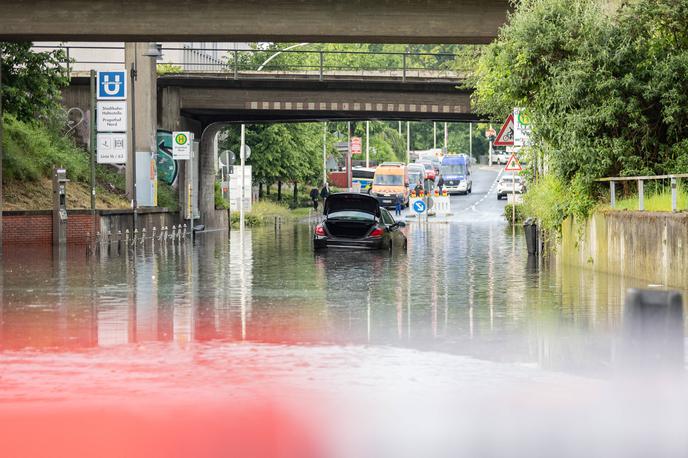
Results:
x,y
142,89
206,178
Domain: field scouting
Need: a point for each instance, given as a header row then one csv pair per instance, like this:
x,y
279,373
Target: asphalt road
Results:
x,y
482,204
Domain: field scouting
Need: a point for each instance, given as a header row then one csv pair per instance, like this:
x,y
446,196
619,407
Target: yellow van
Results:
x,y
391,182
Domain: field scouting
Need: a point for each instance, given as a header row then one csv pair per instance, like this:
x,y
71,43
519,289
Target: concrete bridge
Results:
x,y
387,21
209,99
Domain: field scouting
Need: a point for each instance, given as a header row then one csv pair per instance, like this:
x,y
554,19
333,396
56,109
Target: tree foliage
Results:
x,y
607,92
32,81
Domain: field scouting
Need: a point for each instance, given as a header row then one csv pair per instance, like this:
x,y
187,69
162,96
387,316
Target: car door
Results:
x,y
391,226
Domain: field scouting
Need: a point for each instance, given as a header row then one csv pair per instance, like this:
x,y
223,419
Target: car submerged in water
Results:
x,y
353,220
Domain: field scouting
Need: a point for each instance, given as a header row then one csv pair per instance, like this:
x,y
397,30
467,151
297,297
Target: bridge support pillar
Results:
x,y
206,176
144,94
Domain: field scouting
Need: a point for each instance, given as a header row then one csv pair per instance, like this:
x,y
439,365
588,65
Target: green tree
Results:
x,y
32,81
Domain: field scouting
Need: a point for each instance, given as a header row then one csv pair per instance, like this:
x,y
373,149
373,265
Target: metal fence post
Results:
x,y
236,64
322,59
673,194
641,196
403,71
612,192
69,69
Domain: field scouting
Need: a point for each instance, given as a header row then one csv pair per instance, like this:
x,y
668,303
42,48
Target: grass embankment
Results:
x,y
265,212
550,201
659,201
31,150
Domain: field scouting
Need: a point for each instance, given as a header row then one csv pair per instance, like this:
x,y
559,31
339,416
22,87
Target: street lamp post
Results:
x,y
260,68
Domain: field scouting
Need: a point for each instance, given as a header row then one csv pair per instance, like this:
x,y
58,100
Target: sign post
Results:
x,y
513,166
505,137
490,134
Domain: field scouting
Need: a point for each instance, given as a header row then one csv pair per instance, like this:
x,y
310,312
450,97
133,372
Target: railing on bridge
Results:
x,y
673,181
257,63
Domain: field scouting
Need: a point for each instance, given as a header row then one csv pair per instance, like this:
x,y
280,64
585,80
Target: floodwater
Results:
x,y
252,345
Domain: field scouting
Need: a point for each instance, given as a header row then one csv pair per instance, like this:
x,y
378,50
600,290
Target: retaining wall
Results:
x,y
643,245
36,227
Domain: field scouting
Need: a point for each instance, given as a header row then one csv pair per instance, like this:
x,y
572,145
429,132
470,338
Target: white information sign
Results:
x,y
112,116
235,189
521,127
182,144
112,148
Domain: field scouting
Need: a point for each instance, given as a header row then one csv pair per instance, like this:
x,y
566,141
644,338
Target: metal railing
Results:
x,y
640,180
257,63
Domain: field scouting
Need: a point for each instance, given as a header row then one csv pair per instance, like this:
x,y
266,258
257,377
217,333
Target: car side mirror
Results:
x,y
401,224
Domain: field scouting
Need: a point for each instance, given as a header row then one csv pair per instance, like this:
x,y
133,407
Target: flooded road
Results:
x,y
252,345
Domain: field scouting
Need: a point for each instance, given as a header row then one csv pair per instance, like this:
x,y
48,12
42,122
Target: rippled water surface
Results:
x,y
252,345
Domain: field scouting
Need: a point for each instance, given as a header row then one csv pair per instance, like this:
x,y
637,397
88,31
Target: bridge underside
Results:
x,y
383,21
219,99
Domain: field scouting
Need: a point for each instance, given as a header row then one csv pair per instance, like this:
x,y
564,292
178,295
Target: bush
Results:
x,y
220,202
551,200
32,150
261,213
508,213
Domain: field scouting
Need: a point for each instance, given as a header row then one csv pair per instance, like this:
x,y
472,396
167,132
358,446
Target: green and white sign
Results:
x,y
182,144
521,127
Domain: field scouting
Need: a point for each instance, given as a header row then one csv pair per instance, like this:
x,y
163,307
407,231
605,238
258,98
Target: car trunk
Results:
x,y
350,215
348,229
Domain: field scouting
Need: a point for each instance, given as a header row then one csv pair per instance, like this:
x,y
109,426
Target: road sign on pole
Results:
x,y
521,127
512,164
419,207
181,146
356,145
112,85
506,133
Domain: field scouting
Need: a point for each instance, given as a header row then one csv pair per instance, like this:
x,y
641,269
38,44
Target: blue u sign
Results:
x,y
112,85
419,206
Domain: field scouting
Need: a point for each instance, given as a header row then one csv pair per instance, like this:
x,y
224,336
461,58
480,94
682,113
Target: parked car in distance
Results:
x,y
509,184
416,174
353,220
500,157
364,176
390,183
456,171
430,172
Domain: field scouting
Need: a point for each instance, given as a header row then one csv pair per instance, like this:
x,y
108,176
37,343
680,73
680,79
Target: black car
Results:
x,y
355,220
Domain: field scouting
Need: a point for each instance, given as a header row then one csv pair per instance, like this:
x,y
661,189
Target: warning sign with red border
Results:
x,y
506,133
513,165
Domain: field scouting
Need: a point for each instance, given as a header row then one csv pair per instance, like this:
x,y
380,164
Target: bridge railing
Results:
x,y
659,181
270,63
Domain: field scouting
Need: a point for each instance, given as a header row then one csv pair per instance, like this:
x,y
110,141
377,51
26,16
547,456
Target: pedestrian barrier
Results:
x,y
442,205
115,244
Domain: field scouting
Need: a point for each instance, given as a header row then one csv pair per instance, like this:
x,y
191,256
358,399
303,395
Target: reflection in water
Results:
x,y
462,334
460,288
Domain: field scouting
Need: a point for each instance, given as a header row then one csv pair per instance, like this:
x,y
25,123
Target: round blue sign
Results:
x,y
419,206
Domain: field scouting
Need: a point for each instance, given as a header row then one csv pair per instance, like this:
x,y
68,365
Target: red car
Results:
x,y
429,169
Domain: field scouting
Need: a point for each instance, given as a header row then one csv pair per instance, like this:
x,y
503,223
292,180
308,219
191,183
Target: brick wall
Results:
x,y
36,227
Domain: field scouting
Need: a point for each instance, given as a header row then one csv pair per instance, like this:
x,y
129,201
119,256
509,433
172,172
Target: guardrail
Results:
x,y
252,63
641,187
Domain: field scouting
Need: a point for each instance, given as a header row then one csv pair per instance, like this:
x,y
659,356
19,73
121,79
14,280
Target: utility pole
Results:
x,y
242,154
408,142
446,138
132,74
434,135
92,148
325,153
470,139
367,144
400,128
349,175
